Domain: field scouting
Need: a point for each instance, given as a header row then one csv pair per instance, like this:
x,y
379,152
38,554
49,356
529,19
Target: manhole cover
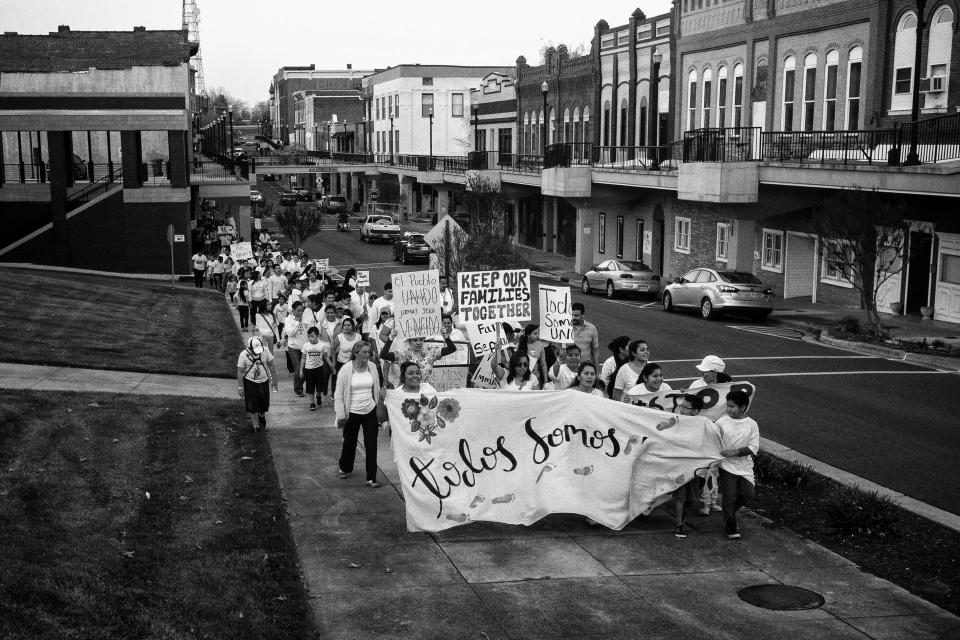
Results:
x,y
781,597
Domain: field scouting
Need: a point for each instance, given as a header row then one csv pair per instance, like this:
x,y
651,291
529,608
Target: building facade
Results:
x,y
336,86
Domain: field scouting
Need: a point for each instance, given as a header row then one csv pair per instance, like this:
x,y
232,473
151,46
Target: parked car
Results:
x,y
378,227
616,277
411,248
255,197
288,199
269,177
714,292
331,204
303,195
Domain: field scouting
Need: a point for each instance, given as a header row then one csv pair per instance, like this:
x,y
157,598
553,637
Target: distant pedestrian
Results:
x,y
199,262
255,375
243,305
740,440
294,335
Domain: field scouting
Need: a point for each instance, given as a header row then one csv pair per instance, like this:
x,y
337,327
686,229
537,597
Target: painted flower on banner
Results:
x,y
427,414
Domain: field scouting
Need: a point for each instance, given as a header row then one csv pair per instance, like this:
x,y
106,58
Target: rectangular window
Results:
x,y
396,142
830,99
902,80
639,240
681,235
723,241
692,105
835,267
789,78
456,106
623,126
809,94
722,103
853,96
426,105
773,250
663,29
389,107
619,236
428,82
737,101
602,234
707,95
623,38
950,268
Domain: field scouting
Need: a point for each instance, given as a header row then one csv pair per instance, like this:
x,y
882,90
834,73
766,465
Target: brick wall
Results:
x,y
838,296
703,236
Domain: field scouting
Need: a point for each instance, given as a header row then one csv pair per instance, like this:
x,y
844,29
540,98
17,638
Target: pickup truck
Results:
x,y
379,228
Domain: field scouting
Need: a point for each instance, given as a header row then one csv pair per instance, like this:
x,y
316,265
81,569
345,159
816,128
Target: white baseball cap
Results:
x,y
712,363
255,345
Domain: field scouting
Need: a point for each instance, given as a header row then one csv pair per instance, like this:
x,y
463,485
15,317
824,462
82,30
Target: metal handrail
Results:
x,y
831,147
727,144
91,190
937,139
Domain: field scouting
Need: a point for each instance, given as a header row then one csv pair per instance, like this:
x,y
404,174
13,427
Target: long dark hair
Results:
x,y
346,287
597,384
514,361
242,291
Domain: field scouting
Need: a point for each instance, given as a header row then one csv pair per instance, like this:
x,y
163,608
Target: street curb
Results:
x,y
938,362
93,272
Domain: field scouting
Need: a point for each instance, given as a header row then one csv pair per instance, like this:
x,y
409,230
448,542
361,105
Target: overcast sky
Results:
x,y
244,42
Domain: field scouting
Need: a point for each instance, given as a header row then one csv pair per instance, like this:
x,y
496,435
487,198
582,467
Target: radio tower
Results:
x,y
191,24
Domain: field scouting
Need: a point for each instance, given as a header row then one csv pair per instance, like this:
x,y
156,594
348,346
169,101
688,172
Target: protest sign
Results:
x,y
713,396
555,319
323,265
224,230
241,251
363,278
483,377
444,378
416,303
460,356
546,452
484,338
494,296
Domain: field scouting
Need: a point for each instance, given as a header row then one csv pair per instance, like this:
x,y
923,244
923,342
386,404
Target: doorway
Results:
x,y
566,228
918,271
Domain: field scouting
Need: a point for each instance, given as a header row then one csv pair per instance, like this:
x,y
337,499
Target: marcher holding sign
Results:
x,y
413,351
416,303
241,251
494,296
363,278
555,318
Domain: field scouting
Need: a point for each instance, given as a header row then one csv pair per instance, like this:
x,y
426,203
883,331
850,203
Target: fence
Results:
x,y
660,158
94,189
728,144
936,139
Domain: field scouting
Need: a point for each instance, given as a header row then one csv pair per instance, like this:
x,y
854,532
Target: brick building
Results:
x,y
337,88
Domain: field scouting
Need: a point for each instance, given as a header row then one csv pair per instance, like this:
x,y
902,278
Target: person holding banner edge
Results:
x,y
740,439
414,351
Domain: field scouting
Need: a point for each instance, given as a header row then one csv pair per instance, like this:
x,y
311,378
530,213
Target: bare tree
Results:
x,y
299,223
219,99
863,239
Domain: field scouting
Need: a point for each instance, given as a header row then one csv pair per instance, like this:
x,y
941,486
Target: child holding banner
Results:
x,y
740,440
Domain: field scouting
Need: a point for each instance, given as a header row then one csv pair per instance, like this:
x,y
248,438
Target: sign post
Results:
x,y
173,277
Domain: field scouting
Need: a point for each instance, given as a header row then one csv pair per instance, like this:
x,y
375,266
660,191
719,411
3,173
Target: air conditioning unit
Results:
x,y
933,84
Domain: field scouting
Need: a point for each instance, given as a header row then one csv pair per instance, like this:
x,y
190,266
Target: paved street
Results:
x,y
832,405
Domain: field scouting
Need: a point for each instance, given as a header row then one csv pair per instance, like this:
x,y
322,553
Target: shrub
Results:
x,y
855,512
772,470
848,325
938,344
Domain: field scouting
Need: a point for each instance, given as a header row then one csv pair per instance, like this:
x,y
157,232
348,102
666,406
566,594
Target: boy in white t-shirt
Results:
x,y
739,439
562,374
315,355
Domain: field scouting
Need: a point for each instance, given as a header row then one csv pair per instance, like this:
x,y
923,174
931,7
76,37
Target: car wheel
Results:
x,y
611,291
668,303
706,309
585,286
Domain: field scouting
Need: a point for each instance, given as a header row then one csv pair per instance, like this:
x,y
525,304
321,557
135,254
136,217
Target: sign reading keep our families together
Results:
x,y
494,296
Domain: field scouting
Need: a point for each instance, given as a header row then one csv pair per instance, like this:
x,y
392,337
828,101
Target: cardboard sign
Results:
x,y
483,338
444,378
241,251
460,356
416,303
470,455
323,265
483,377
556,322
224,230
363,278
494,296
257,224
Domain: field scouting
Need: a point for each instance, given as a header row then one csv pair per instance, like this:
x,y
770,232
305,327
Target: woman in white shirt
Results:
x,y
586,380
651,381
265,328
627,376
517,376
357,402
255,375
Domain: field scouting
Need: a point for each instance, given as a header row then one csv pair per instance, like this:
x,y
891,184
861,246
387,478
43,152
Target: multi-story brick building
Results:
x,y
337,87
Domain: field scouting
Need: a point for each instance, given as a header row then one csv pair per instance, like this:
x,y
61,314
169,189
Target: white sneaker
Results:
x,y
704,510
715,507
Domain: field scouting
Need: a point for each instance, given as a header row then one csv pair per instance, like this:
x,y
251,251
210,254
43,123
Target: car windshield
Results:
x,y
739,277
337,199
635,266
418,239
382,220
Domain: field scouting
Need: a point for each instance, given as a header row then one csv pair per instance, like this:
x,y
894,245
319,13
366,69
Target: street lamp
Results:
x,y
654,124
544,89
230,116
430,115
913,158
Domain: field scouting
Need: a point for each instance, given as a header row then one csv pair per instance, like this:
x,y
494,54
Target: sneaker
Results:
x,y
716,508
679,532
313,407
299,394
262,420
373,484
704,510
733,531
343,474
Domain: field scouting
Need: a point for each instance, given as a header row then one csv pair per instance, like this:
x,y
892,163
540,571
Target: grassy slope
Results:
x,y
88,554
101,322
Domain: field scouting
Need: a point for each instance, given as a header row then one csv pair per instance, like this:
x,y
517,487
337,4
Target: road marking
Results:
x,y
775,332
750,376
371,265
728,359
634,305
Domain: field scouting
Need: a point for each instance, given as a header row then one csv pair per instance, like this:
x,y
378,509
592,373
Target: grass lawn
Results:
x,y
141,517
100,322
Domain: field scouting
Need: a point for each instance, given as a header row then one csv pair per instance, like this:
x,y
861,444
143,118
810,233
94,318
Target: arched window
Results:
x,y
567,126
525,139
809,90
737,95
623,122
642,122
789,88
587,126
903,53
692,100
606,123
938,57
707,95
722,97
830,91
551,135
854,70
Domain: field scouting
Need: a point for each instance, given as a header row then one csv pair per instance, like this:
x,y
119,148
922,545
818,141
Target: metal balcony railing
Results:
x,y
728,144
525,163
209,171
660,158
830,147
568,154
26,173
937,139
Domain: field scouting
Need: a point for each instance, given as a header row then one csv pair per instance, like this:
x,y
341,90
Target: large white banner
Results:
x,y
416,303
545,452
556,320
714,397
494,296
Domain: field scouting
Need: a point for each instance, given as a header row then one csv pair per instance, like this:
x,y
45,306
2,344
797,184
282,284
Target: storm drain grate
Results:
x,y
781,597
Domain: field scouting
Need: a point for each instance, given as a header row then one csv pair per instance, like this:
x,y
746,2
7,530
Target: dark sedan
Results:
x,y
411,248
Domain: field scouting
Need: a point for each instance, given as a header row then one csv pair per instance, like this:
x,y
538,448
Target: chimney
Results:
x,y
64,28
349,66
141,29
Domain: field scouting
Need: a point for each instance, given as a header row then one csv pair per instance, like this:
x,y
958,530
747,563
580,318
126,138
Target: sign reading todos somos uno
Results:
x,y
556,322
494,296
416,303
546,452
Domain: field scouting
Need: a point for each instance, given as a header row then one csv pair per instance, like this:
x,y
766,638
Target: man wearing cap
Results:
x,y
383,302
712,369
255,375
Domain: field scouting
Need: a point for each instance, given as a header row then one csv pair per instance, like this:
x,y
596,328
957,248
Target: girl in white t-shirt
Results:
x,y
516,376
627,376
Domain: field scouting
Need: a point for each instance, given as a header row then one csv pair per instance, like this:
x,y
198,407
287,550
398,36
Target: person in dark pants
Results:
x,y
357,402
740,439
199,263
